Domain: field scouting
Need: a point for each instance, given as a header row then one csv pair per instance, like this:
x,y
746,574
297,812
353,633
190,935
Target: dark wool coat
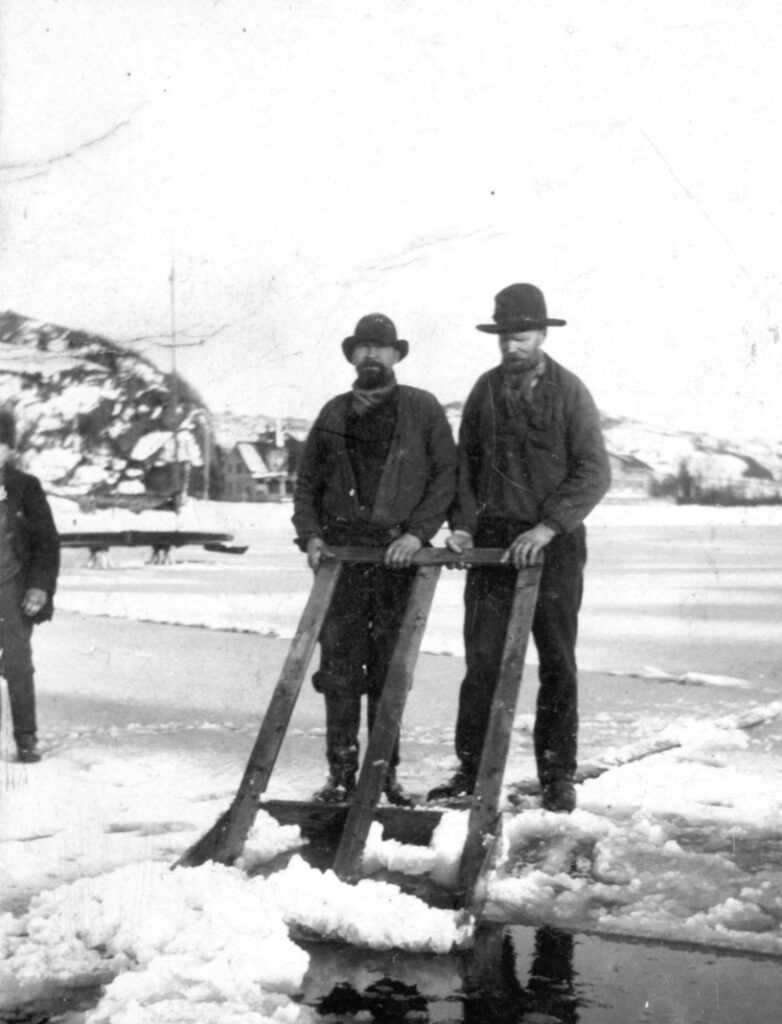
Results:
x,y
559,468
417,483
33,535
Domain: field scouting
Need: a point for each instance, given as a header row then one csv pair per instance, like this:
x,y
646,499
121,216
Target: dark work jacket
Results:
x,y
33,535
416,486
560,469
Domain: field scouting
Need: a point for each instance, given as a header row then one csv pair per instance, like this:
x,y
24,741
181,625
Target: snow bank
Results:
x,y
209,935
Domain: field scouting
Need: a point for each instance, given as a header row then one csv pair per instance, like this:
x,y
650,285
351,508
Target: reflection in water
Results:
x,y
500,981
387,1001
494,992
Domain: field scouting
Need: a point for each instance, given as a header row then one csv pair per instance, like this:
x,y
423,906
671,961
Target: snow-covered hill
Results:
x,y
94,416
98,418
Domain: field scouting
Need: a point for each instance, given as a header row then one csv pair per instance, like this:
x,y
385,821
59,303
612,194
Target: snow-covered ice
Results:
x,y
679,844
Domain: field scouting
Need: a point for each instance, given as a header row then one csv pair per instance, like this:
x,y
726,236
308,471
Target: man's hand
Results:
x,y
527,546
315,548
33,602
399,553
460,542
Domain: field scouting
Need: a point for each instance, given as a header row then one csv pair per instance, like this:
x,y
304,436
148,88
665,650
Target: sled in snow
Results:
x,y
351,822
142,538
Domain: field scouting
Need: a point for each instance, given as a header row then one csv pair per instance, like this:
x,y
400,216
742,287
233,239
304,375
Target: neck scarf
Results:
x,y
518,386
364,399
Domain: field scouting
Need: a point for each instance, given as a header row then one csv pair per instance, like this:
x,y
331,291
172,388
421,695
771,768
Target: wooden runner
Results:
x,y
485,817
386,726
224,841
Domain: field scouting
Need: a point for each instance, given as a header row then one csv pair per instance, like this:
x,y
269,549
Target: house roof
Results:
x,y
251,457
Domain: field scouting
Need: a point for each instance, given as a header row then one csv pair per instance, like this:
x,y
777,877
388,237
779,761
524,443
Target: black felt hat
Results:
x,y
520,307
7,428
377,328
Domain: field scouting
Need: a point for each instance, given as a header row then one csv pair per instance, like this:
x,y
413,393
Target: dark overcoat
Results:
x,y
417,484
33,535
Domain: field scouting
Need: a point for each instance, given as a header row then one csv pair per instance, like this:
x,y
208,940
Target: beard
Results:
x,y
520,363
370,374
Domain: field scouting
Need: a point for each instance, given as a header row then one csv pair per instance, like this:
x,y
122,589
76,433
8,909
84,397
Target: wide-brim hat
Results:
x,y
378,329
520,307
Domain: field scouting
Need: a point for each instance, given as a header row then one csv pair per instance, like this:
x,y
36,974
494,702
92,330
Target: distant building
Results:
x,y
726,478
630,477
251,473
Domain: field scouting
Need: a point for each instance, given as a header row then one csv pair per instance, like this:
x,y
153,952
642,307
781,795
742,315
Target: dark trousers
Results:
x,y
488,598
16,660
357,641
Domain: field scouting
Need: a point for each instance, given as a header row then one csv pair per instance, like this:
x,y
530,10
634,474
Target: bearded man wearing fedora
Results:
x,y
379,470
532,465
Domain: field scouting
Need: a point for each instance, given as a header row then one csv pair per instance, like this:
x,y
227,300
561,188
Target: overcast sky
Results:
x,y
303,162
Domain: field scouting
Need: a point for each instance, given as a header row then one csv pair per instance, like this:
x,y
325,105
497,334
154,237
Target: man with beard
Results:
x,y
378,470
532,465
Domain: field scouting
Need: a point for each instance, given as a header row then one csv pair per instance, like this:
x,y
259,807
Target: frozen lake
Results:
x,y
147,725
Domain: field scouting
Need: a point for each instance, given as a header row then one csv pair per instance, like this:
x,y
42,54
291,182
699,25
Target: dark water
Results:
x,y
516,975
544,976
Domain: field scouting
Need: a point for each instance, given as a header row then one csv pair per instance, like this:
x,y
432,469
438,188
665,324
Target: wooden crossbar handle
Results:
x,y
426,556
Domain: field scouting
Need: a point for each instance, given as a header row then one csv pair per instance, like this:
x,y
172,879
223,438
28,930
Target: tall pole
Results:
x,y
207,452
174,385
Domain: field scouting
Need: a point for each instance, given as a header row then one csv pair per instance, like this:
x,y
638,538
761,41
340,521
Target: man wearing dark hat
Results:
x,y
532,465
378,469
29,564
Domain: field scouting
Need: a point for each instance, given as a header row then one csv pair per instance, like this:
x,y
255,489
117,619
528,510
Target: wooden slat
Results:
x,y
325,822
484,812
386,727
426,556
139,538
224,841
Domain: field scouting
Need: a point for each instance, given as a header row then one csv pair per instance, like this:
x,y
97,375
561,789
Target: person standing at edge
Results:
x,y
29,565
532,465
379,470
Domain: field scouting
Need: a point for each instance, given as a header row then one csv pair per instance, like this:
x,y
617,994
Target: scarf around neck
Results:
x,y
364,399
518,386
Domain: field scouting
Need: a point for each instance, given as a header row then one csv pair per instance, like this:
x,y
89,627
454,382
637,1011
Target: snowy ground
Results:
x,y
146,728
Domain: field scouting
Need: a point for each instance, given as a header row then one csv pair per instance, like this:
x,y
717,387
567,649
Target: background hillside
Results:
x,y
101,421
98,418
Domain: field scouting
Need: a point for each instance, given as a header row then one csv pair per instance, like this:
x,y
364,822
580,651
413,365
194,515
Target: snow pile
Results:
x,y
671,847
634,878
373,914
687,678
207,936
439,860
266,840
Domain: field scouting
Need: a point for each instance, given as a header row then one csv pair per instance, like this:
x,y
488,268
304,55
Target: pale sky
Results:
x,y
304,162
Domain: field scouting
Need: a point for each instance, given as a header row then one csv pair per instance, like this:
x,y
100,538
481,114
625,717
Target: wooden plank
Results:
x,y
224,841
319,821
386,728
484,810
426,556
139,538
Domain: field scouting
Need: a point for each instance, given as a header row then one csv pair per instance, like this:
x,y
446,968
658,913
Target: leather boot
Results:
x,y
395,792
462,783
27,748
559,794
343,717
339,788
